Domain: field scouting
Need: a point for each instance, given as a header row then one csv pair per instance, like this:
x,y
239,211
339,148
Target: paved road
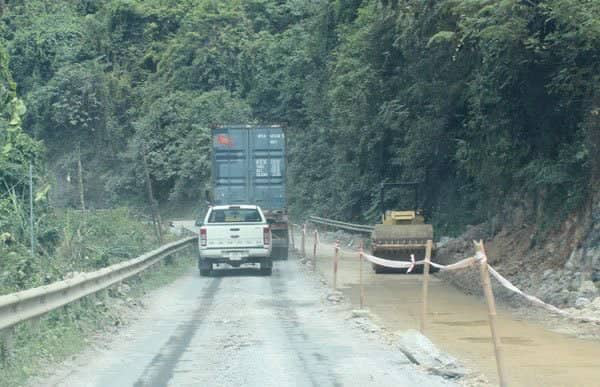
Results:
x,y
241,329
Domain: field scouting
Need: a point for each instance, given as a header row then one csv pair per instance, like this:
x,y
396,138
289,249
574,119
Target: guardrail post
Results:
x,y
168,259
489,296
304,240
7,346
336,258
315,248
360,275
425,292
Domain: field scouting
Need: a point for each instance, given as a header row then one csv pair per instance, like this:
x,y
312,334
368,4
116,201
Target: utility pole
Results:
x,y
153,204
80,178
31,231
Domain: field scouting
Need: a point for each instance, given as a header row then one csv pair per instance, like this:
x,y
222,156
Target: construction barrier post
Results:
x,y
425,291
360,275
489,296
304,240
292,236
335,263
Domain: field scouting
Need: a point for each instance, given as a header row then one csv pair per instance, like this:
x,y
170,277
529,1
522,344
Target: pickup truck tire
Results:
x,y
205,272
205,268
266,271
266,267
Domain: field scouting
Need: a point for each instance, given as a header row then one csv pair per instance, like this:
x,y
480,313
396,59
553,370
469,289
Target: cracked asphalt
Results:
x,y
242,329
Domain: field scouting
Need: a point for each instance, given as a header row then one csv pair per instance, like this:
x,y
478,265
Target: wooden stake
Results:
x,y
425,291
360,276
489,296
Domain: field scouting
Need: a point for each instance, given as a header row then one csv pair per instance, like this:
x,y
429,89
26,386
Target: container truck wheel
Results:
x,y
280,253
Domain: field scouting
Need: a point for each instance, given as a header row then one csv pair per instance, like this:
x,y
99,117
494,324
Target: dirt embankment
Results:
x,y
562,268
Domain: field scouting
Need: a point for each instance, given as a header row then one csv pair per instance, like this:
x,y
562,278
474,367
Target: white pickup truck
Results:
x,y
234,235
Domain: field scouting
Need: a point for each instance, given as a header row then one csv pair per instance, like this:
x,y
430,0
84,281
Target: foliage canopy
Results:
x,y
483,101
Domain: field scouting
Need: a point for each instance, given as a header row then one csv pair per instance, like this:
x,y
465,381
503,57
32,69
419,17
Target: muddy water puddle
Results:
x,y
534,356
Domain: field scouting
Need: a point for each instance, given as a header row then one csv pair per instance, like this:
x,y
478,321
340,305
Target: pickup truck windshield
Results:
x,y
235,215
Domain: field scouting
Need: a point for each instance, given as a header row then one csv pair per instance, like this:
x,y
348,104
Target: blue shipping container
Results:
x,y
248,165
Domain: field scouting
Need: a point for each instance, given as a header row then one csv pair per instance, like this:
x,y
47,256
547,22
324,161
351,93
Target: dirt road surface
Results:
x,y
534,356
241,329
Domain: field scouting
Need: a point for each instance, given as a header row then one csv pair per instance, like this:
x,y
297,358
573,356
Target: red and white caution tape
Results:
x,y
462,264
467,262
412,261
508,285
389,263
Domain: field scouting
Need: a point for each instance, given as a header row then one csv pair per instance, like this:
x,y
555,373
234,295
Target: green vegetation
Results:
x,y
492,104
70,242
488,102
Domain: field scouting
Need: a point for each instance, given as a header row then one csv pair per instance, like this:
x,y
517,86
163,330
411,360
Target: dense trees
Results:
x,y
482,101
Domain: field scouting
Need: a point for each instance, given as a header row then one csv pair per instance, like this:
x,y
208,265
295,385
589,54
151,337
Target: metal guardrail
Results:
x,y
27,304
343,225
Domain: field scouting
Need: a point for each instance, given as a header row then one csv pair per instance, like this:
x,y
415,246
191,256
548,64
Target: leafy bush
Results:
x,y
80,242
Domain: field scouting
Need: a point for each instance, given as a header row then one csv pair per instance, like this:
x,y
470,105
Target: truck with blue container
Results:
x,y
248,167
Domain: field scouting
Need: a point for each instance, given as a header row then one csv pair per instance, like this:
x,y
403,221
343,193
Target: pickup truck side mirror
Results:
x,y
198,223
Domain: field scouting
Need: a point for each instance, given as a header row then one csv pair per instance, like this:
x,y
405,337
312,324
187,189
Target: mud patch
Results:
x,y
504,340
474,323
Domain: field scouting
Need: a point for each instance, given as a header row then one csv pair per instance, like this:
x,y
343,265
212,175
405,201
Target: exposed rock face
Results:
x,y
582,302
588,255
588,290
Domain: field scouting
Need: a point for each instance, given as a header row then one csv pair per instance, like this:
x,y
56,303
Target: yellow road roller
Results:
x,y
401,232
